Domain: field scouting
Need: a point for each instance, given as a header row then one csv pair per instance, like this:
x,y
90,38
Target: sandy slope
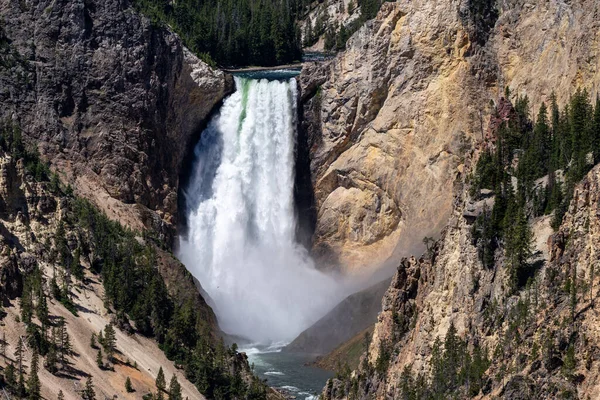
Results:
x,y
92,318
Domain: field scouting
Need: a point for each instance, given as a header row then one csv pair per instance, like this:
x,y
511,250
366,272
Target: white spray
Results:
x,y
241,218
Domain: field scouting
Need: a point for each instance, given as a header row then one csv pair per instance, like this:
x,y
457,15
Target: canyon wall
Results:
x,y
110,99
526,335
390,120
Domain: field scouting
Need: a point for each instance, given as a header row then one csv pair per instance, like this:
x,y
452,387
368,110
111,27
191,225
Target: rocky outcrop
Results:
x,y
390,119
112,101
387,140
527,334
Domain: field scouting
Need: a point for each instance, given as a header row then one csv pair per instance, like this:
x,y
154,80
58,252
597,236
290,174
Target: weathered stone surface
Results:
x,y
109,99
390,120
453,287
387,144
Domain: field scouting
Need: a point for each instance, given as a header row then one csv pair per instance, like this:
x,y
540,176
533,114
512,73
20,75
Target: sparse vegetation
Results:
x,y
125,262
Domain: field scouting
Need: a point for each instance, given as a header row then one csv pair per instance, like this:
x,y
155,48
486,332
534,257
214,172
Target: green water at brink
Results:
x,y
288,372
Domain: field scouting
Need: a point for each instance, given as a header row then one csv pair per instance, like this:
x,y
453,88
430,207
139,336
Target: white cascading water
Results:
x,y
241,218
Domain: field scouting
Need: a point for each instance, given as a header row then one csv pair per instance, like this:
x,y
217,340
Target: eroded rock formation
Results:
x,y
111,100
390,120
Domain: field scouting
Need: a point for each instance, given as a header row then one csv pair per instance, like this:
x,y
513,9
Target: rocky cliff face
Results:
x,y
527,334
390,119
109,99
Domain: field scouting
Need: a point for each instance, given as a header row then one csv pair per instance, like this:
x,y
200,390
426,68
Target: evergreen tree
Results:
x,y
19,354
569,362
11,378
76,268
60,242
580,136
175,389
128,386
99,360
161,383
240,32
21,390
64,348
88,392
61,396
42,309
52,356
110,341
54,183
26,304
596,131
101,338
33,383
541,146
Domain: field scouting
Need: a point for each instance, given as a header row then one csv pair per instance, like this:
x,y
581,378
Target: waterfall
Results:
x,y
241,218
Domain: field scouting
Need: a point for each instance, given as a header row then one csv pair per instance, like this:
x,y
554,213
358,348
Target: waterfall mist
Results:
x,y
241,219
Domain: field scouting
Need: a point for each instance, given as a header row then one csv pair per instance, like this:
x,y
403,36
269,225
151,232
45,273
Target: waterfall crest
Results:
x,y
241,218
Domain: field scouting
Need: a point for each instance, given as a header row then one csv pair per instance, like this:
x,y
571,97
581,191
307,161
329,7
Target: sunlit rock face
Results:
x,y
390,120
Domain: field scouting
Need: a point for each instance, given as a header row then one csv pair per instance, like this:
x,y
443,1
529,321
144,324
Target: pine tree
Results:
x,y
19,355
93,344
161,383
542,142
99,360
580,132
519,239
55,183
52,356
175,389
11,378
42,309
76,268
451,359
26,305
110,341
60,241
438,378
55,289
88,392
21,390
65,291
596,131
61,396
128,386
100,338
33,383
64,348
569,362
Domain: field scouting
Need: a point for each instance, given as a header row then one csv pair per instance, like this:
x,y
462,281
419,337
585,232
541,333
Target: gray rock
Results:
x,y
111,100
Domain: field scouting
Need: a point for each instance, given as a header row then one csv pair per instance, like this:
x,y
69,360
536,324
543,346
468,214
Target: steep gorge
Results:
x,y
113,102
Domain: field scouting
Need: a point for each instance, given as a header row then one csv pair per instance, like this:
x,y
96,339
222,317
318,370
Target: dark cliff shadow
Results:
x,y
304,195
